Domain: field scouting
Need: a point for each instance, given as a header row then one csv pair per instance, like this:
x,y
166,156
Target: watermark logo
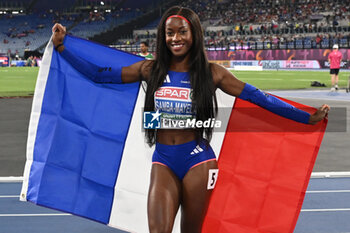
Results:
x,y
151,120
190,123
156,120
243,119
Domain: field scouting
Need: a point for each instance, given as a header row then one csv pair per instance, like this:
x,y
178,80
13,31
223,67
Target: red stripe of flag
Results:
x,y
264,168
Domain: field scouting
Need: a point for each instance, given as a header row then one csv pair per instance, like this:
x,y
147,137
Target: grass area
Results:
x,y
269,80
20,81
17,81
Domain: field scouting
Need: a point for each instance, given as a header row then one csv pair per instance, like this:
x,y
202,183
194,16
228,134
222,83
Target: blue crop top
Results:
x,y
174,101
174,98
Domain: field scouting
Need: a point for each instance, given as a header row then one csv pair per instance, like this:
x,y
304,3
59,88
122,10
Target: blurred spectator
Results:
x,y
144,51
30,61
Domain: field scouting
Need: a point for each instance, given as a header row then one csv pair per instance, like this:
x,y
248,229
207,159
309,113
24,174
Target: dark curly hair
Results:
x,y
200,73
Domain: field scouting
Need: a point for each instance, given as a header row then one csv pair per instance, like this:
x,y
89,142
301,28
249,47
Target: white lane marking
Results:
x,y
9,196
329,191
313,175
318,191
31,215
330,174
324,210
11,179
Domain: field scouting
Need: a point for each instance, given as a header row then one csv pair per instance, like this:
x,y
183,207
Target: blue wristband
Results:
x,y
273,104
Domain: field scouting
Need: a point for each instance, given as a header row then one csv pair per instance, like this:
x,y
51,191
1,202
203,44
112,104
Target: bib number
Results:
x,y
213,176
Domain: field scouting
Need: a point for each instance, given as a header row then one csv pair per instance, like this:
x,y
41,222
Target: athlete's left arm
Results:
x,y
228,83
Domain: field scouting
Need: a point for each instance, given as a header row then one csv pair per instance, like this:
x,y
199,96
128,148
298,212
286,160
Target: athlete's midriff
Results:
x,y
174,101
175,136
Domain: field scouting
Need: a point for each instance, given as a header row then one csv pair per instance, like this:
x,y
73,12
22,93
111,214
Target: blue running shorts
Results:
x,y
182,157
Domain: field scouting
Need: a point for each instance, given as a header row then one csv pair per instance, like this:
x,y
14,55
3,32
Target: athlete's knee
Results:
x,y
160,226
191,226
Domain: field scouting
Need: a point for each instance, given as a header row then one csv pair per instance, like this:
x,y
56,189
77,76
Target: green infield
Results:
x,y
271,79
17,81
20,81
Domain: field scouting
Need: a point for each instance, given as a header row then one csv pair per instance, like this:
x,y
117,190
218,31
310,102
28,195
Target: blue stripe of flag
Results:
x,y
81,135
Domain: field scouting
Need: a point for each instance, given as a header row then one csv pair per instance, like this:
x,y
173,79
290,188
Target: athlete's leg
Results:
x,y
163,199
195,197
336,81
333,79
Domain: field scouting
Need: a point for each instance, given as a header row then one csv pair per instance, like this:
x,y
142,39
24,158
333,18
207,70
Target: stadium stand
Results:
x,y
26,32
99,23
25,25
267,24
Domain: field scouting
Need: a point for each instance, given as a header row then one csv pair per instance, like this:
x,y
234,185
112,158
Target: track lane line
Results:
x,y
325,210
32,215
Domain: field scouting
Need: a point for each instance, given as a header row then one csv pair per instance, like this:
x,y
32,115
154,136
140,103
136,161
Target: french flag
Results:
x,y
86,153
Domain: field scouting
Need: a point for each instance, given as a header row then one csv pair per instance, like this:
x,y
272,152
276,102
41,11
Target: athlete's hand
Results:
x,y
59,32
319,115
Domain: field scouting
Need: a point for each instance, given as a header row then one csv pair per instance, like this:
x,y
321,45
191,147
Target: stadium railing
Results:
x,y
296,44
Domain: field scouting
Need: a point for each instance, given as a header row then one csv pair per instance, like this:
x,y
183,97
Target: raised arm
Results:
x,y
110,72
228,83
140,71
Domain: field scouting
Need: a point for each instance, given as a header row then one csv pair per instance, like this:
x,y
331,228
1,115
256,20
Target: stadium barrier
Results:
x,y
320,55
268,64
268,56
224,63
247,68
4,60
18,63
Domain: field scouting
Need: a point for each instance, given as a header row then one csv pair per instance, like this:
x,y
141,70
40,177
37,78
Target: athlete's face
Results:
x,y
143,48
178,36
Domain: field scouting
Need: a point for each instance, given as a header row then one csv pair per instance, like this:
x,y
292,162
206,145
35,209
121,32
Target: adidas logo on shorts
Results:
x,y
196,150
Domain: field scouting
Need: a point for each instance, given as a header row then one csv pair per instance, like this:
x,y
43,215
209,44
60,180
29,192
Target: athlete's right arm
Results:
x,y
113,73
139,71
